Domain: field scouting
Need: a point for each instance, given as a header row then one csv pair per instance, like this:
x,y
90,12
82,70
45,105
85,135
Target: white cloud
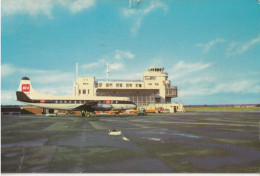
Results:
x,y
182,69
238,86
123,55
197,80
218,87
194,79
116,66
31,7
101,64
115,61
206,47
38,76
77,5
230,48
249,44
91,65
8,97
235,49
45,7
138,15
7,69
191,67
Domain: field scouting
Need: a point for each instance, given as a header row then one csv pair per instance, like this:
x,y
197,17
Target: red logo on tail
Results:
x,y
25,87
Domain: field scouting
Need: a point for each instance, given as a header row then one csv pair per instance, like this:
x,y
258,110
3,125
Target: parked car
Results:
x,y
142,112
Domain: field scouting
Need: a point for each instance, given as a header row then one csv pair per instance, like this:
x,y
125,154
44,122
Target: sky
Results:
x,y
209,48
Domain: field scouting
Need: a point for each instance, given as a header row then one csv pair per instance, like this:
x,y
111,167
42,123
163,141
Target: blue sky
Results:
x,y
210,48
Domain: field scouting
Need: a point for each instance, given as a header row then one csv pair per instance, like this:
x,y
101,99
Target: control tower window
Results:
x,y
150,78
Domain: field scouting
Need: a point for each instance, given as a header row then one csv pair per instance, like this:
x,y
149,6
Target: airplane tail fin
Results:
x,y
25,87
26,92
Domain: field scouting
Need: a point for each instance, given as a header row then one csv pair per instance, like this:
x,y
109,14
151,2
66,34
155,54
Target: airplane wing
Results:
x,y
86,106
93,106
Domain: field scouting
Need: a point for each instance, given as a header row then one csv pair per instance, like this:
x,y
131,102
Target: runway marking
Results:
x,y
200,123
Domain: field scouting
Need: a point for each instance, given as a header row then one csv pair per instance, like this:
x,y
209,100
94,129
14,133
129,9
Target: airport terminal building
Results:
x,y
154,88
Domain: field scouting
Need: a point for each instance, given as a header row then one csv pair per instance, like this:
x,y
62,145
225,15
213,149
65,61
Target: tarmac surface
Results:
x,y
190,142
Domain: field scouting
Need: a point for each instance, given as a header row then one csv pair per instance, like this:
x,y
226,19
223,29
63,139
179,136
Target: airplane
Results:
x,y
86,105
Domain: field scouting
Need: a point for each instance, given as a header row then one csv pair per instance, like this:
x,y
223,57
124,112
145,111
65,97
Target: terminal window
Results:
x,y
119,85
108,84
84,91
128,85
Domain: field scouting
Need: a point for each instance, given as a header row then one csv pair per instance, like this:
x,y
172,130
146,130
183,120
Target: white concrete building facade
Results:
x,y
153,88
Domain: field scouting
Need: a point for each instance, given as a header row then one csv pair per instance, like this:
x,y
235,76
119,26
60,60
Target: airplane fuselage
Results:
x,y
103,105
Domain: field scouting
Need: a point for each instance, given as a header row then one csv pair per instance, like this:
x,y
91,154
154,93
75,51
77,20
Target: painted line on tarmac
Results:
x,y
203,123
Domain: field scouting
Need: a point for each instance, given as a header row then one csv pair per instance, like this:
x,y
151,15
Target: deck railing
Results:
x,y
171,91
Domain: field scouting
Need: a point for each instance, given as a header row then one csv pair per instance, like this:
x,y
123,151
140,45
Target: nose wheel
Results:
x,y
85,114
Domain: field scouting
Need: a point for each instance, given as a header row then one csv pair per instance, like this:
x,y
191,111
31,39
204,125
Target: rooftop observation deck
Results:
x,y
156,69
159,71
171,92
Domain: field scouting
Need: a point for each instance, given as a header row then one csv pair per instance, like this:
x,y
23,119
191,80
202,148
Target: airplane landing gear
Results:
x,y
85,114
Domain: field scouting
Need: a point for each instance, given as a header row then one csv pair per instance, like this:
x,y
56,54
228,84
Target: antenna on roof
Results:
x,y
107,71
77,70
